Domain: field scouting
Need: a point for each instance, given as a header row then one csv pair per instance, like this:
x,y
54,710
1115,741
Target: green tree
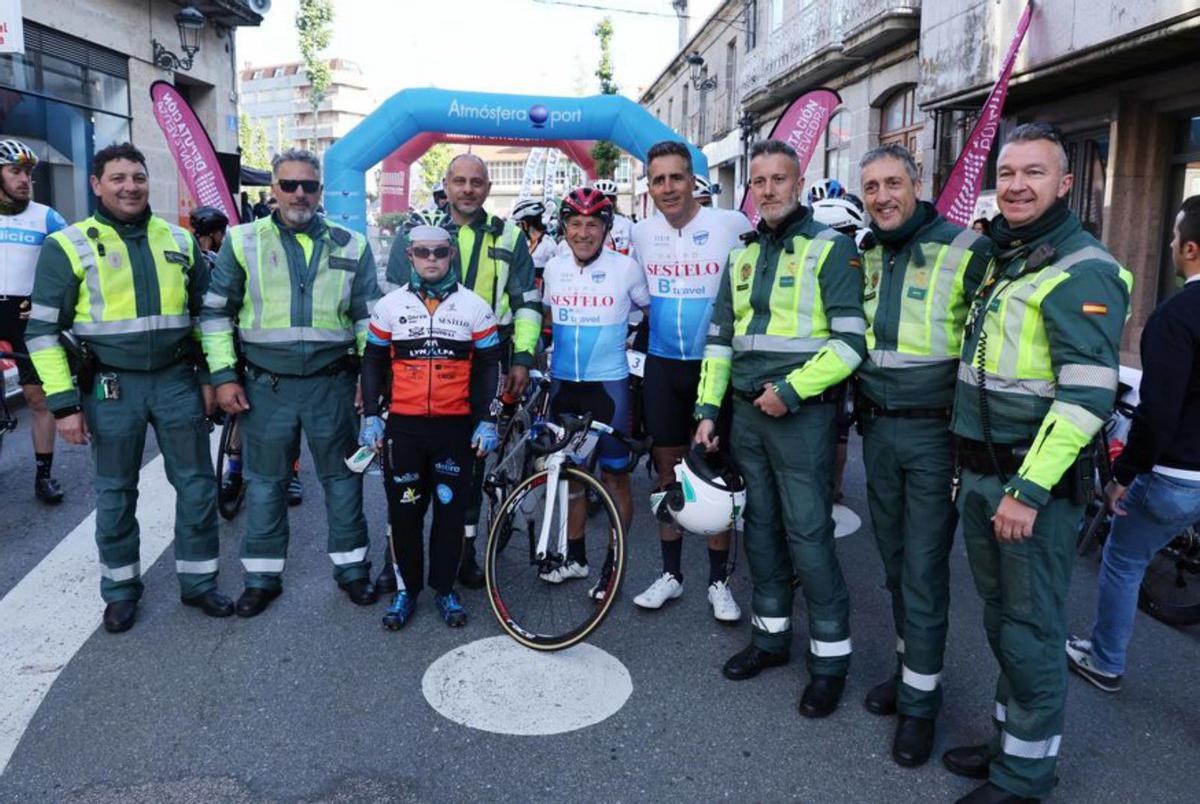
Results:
x,y
604,153
433,169
314,21
252,140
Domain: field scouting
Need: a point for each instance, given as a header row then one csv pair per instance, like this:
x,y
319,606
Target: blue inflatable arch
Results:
x,y
412,111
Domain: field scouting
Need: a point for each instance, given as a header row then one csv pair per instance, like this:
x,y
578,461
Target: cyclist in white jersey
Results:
x,y
529,215
682,251
622,228
24,224
589,296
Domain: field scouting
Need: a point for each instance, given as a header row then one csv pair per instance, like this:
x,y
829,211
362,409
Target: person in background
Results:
x,y
1155,490
245,208
262,208
982,226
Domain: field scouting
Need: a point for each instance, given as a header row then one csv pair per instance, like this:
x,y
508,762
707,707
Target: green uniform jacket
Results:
x,y
164,336
228,298
506,280
1051,352
916,300
789,311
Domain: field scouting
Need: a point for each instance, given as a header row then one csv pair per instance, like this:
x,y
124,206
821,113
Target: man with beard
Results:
x,y
298,288
1037,381
919,278
24,224
493,261
129,285
787,330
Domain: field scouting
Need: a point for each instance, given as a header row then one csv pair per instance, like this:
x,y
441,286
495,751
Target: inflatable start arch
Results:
x,y
413,112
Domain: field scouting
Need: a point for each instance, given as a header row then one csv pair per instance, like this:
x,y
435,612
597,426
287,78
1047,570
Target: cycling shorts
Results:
x,y
608,402
669,401
12,330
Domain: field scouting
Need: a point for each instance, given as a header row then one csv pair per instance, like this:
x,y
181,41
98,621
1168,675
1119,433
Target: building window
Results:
x,y
683,115
1183,182
899,123
751,24
837,147
1087,155
65,109
730,82
776,14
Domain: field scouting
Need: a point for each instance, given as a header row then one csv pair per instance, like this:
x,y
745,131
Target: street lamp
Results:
x,y
190,22
700,81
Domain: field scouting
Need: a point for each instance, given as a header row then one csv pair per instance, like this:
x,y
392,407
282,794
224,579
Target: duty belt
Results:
x,y
349,364
974,456
868,408
829,396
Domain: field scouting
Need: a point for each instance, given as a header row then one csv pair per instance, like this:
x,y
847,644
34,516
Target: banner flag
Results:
x,y
193,150
956,201
801,127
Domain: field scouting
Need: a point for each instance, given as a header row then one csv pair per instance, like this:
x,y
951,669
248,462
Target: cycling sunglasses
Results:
x,y
424,253
289,185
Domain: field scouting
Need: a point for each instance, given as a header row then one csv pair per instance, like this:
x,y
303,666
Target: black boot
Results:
x,y
212,603
971,761
913,742
254,600
385,584
821,696
991,794
47,490
360,591
881,700
470,574
750,662
119,616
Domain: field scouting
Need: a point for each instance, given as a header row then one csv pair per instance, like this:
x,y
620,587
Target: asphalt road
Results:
x,y
314,701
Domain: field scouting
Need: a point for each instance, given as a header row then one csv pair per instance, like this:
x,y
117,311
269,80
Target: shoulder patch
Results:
x,y
339,235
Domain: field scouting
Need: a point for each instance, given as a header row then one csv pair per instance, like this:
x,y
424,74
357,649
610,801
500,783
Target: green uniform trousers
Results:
x,y
910,467
788,467
169,401
1024,591
323,405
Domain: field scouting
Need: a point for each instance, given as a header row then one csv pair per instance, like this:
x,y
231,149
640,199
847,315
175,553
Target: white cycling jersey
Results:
x,y
620,235
683,269
21,237
543,251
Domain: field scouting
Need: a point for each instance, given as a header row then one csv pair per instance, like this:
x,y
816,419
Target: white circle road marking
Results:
x,y
500,686
845,521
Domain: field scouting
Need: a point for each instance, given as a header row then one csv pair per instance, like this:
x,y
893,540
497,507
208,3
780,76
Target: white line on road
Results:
x,y
51,612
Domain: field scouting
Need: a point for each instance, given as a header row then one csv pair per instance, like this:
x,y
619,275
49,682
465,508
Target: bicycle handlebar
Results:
x,y
573,425
12,355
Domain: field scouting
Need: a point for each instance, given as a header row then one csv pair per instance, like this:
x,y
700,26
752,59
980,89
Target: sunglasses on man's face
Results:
x,y
289,185
438,253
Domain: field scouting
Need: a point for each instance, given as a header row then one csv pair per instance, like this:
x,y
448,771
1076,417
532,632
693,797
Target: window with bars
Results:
x,y
837,147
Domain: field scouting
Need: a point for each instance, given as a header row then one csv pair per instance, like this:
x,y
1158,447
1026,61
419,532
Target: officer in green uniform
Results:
x,y
787,330
129,285
920,272
494,261
299,290
1037,380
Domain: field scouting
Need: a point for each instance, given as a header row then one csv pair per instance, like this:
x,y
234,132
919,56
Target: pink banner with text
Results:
x,y
956,201
801,127
193,150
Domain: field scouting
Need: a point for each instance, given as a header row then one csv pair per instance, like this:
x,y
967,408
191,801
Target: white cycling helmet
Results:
x,y
606,186
15,152
706,188
528,208
822,189
707,497
839,213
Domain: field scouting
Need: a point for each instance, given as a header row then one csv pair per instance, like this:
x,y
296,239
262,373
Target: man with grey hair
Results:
x,y
787,330
298,289
1037,381
493,260
919,276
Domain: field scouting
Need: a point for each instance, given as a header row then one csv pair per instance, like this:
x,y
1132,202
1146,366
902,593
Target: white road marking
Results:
x,y
499,686
52,611
845,521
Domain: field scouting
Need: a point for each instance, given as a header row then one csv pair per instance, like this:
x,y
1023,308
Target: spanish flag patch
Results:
x,y
1095,309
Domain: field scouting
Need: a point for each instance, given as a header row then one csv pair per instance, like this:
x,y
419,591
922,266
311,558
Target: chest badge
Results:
x,y
746,270
114,259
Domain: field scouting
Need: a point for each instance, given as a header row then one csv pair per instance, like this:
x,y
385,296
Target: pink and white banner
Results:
x,y
193,150
956,201
801,127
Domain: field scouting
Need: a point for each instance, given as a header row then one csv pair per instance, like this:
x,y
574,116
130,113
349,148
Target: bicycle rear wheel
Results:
x,y
539,614
1170,591
228,506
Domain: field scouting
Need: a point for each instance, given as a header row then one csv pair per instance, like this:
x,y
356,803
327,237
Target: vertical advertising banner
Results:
x,y
12,29
393,184
801,127
193,150
957,199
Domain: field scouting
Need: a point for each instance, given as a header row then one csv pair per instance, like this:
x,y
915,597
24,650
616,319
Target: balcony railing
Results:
x,y
819,28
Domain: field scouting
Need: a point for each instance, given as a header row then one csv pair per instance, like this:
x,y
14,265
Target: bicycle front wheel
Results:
x,y
536,601
228,502
1170,591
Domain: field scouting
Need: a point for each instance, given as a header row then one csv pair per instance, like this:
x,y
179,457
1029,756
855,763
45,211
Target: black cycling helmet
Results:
x,y
206,220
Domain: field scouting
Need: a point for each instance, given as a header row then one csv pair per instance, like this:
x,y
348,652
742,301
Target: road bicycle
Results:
x,y
228,502
1170,590
8,422
528,535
